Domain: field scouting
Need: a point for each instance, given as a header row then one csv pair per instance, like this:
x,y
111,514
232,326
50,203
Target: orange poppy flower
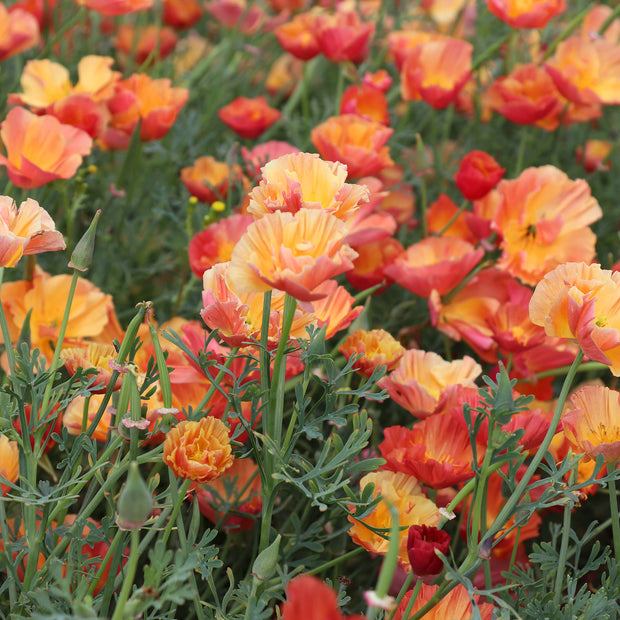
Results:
x,y
27,230
112,8
424,383
354,141
9,462
594,155
593,21
297,36
236,14
436,71
182,14
73,417
141,43
343,36
233,500
249,118
378,348
291,253
209,180
199,450
456,605
544,220
19,31
40,149
371,262
96,356
477,175
435,263
414,508
445,213
526,14
335,311
304,180
366,101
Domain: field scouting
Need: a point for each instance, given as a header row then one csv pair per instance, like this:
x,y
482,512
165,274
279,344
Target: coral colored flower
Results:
x,y
236,14
73,417
422,540
9,462
512,328
256,158
233,500
112,8
27,230
92,355
182,14
381,80
291,253
303,180
308,598
343,36
587,72
249,118
406,495
594,155
335,311
526,96
297,36
19,31
456,605
366,101
445,219
40,149
354,141
437,451
544,220
215,243
477,175
371,262
209,180
152,102
435,263
377,347
526,13
424,383
199,450
142,43
436,71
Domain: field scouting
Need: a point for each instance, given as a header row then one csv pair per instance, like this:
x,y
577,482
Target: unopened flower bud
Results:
x,y
82,255
135,502
265,564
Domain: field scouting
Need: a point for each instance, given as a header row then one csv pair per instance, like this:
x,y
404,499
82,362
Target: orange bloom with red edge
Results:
x,y
182,14
477,175
308,598
594,155
141,43
73,417
249,118
526,96
112,8
93,355
436,71
19,31
40,149
199,450
9,462
437,451
544,220
424,383
27,230
456,605
371,262
377,347
297,36
586,71
291,253
580,301
355,142
305,181
366,101
446,219
236,14
152,102
435,263
343,36
233,500
526,13
215,243
209,180
335,311
405,493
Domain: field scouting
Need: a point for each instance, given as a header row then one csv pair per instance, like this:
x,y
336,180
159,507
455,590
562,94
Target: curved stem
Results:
x,y
134,554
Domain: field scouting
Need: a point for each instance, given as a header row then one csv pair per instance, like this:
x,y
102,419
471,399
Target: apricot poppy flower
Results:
x,y
366,101
526,14
414,508
544,220
435,263
308,598
594,155
291,253
377,347
436,71
73,417
304,180
198,450
209,179
9,462
19,31
27,230
93,355
112,8
354,141
40,149
446,219
371,262
236,14
477,175
424,383
297,36
335,311
254,159
249,117
343,36
182,14
141,43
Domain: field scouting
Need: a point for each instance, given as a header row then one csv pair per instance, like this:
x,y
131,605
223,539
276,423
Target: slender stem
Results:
x,y
613,505
177,505
132,564
412,600
6,335
335,561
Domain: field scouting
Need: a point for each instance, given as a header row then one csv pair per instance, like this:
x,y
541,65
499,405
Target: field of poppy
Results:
x,y
309,309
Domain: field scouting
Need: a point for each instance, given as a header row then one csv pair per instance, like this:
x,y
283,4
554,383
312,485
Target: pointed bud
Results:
x,y
135,502
265,564
82,255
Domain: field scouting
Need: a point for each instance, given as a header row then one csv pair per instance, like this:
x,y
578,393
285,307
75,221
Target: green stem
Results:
x,y
572,26
132,564
6,335
178,502
613,505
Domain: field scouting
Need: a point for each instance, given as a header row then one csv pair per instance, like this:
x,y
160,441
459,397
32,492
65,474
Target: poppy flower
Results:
x,y
9,462
249,118
182,14
112,8
257,157
378,348
366,101
528,14
422,540
93,355
19,32
209,179
297,36
477,175
143,43
594,155
343,36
